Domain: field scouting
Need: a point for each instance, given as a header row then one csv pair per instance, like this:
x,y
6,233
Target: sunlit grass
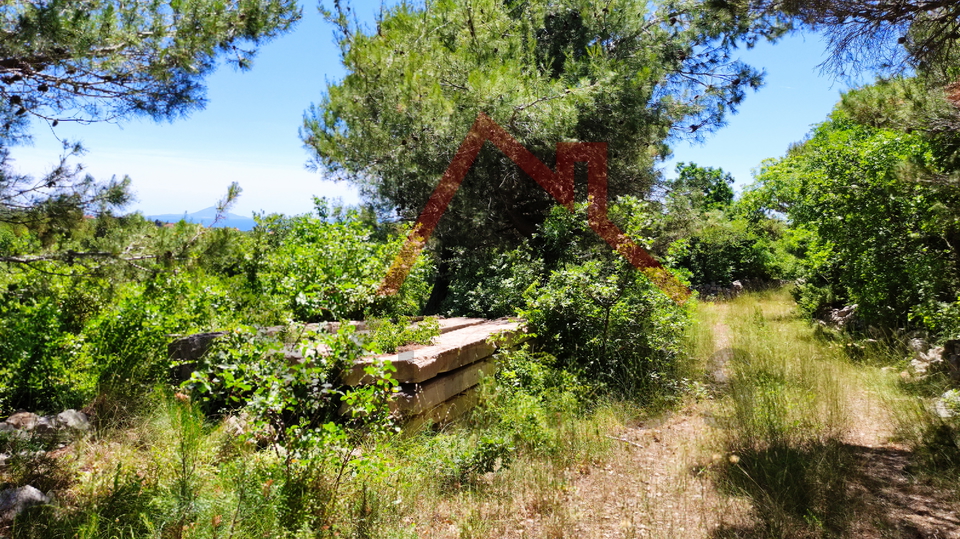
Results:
x,y
172,473
784,420
778,463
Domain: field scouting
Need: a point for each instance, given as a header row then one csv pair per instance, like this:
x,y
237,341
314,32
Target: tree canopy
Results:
x,y
108,60
628,72
890,37
704,188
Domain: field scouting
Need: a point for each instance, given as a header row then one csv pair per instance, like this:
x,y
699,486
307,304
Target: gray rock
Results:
x,y
23,420
237,425
945,359
7,427
185,352
917,345
948,405
14,501
927,362
842,317
951,358
46,425
73,420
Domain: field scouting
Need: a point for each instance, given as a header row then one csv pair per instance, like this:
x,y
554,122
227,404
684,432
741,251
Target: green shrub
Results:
x,y
330,266
602,319
610,325
44,365
491,284
874,235
722,251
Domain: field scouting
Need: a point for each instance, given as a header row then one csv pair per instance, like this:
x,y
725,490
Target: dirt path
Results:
x,y
655,485
658,483
894,503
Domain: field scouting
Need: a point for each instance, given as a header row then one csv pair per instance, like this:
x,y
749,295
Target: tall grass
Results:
x,y
785,419
175,474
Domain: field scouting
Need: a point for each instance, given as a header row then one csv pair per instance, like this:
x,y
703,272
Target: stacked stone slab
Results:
x,y
438,382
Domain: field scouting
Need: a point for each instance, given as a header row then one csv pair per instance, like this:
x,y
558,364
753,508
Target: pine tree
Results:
x,y
109,60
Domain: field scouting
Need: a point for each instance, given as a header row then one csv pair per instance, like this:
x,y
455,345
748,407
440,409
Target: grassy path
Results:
x,y
792,439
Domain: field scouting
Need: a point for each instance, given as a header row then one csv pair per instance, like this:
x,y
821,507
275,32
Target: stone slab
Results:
x,y
451,351
443,388
445,412
452,324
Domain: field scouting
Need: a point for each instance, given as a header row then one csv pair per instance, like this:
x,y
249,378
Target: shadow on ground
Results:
x,y
840,491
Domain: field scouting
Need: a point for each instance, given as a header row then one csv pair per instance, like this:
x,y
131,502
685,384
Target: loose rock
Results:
x,y
948,405
23,420
927,362
918,345
945,359
237,425
74,420
14,501
842,317
46,425
951,358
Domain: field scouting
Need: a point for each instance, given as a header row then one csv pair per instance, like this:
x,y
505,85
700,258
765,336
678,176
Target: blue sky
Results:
x,y
248,131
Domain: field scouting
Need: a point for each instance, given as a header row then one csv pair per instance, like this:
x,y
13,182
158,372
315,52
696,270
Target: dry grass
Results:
x,y
781,436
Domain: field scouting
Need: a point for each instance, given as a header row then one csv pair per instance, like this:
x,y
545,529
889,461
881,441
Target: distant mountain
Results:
x,y
205,217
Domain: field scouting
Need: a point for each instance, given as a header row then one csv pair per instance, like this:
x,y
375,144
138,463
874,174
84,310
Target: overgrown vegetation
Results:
x,y
262,440
73,329
807,417
787,419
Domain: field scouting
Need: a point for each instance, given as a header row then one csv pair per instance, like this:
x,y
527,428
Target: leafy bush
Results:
x,y
247,369
491,284
724,250
44,365
874,236
601,318
65,339
330,266
610,325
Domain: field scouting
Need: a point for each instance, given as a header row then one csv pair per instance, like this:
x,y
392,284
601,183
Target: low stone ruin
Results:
x,y
941,359
840,319
438,382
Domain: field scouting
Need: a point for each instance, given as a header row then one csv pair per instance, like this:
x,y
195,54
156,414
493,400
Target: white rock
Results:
x,y
13,501
74,420
927,361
